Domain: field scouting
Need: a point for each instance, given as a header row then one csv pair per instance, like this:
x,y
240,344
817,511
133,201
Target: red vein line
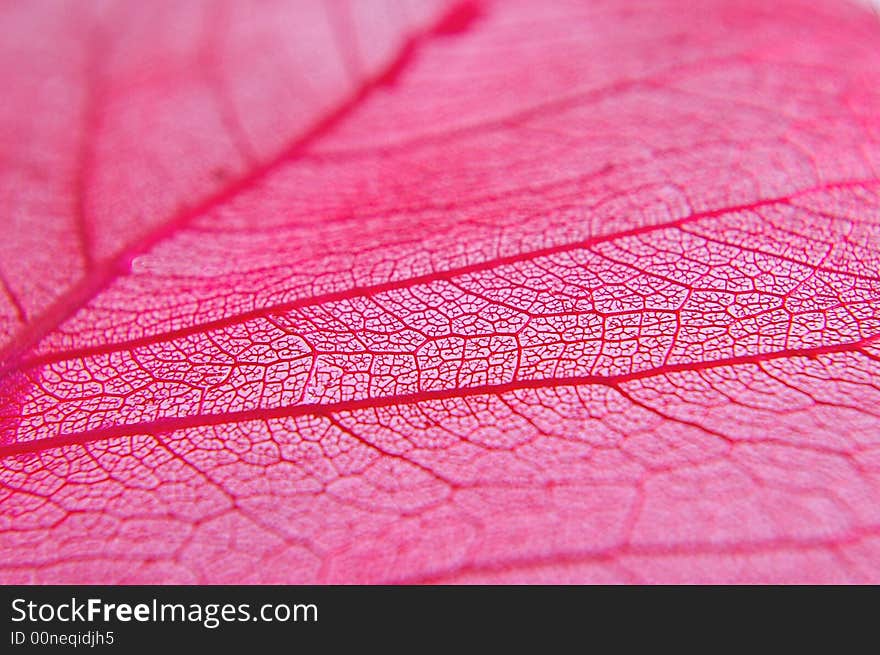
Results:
x,y
167,425
216,26
91,119
392,285
20,313
120,265
624,549
596,94
814,268
344,33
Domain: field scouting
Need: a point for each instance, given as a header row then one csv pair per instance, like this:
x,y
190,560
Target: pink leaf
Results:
x,y
500,292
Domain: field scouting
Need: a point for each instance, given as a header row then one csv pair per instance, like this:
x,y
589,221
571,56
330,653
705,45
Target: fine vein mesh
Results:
x,y
584,294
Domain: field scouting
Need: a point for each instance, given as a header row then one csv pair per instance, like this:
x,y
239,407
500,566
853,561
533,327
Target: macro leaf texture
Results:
x,y
409,292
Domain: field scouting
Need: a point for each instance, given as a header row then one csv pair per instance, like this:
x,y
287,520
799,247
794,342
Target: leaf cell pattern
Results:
x,y
414,292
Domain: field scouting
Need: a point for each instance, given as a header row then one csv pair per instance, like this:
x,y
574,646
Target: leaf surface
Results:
x,y
505,293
